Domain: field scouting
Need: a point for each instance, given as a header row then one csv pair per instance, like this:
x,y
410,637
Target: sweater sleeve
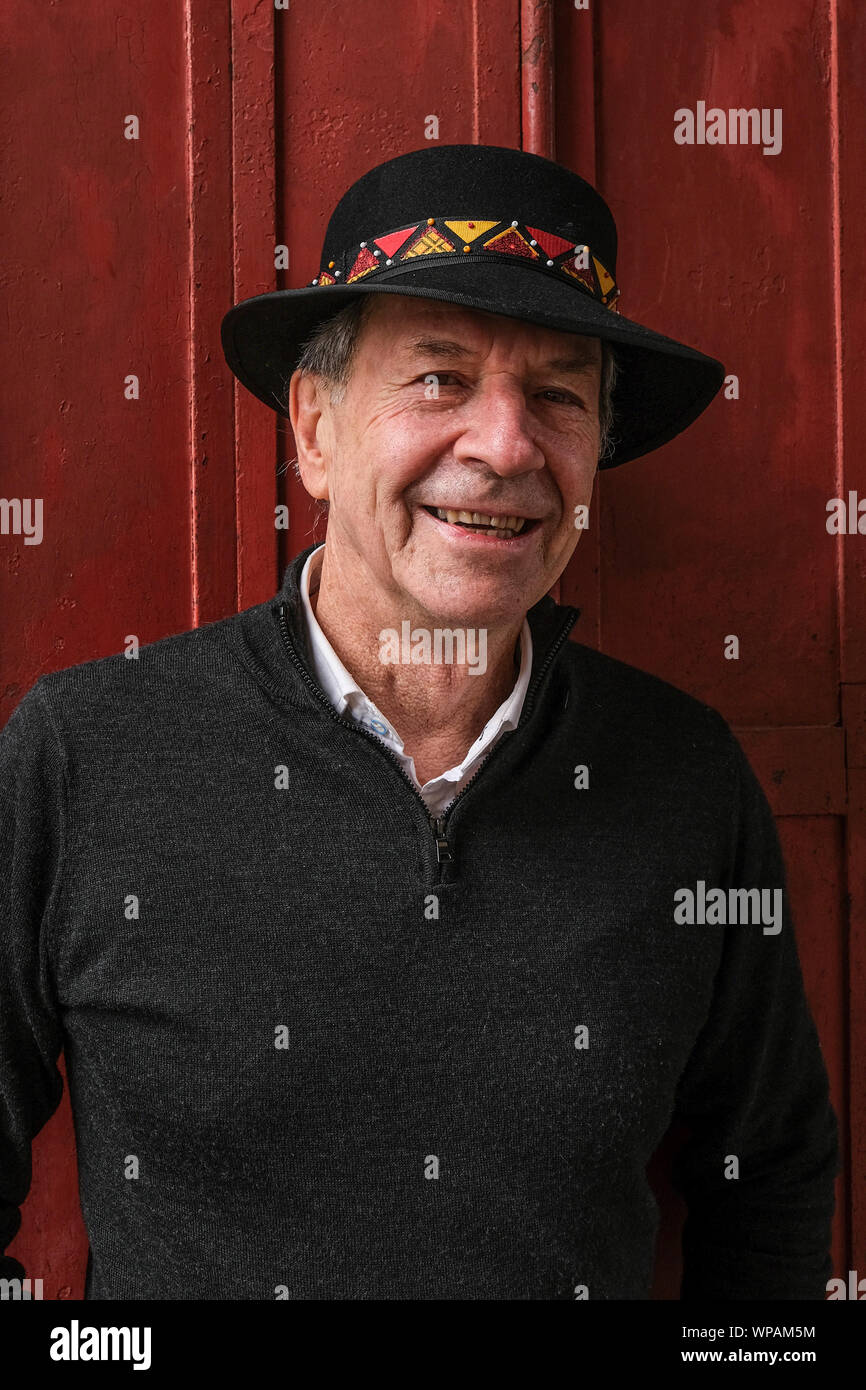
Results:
x,y
31,830
755,1089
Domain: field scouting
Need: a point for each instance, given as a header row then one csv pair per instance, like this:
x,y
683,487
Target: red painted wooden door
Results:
x,y
156,156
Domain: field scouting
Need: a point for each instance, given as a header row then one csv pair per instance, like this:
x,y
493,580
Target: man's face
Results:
x,y
452,409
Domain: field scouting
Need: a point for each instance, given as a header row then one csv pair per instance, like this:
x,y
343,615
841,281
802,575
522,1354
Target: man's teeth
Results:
x,y
514,524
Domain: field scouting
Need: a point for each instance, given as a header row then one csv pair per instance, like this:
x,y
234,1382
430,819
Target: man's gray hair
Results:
x,y
330,350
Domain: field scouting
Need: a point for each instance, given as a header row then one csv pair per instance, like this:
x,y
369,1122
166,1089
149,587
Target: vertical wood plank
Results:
x,y
848,141
213,519
495,73
536,69
255,238
854,715
847,63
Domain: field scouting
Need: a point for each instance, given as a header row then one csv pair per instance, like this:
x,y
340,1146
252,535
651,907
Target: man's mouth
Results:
x,y
502,524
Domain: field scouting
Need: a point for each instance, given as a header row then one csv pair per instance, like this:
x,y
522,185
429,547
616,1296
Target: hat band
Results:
x,y
482,238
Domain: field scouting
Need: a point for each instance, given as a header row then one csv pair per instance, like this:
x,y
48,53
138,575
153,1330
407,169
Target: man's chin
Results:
x,y
474,605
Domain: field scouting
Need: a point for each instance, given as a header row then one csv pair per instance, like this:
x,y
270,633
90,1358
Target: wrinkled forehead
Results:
x,y
411,327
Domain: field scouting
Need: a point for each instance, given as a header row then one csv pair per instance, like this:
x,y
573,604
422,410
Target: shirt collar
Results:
x,y
337,683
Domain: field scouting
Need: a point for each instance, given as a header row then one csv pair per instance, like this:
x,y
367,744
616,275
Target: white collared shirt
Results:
x,y
346,696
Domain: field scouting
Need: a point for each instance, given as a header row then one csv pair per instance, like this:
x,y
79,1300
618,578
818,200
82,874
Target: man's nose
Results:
x,y
499,429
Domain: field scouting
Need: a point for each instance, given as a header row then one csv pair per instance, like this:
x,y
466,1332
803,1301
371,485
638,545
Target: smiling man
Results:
x,y
373,975
457,487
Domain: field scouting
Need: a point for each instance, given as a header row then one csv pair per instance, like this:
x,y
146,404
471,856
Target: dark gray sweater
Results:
x,y
320,1047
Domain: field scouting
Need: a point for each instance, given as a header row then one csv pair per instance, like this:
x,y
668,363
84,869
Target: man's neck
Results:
x,y
439,710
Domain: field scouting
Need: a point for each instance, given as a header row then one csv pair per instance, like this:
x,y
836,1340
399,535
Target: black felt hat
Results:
x,y
485,227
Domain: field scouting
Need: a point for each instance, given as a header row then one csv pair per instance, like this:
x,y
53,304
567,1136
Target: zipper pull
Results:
x,y
443,849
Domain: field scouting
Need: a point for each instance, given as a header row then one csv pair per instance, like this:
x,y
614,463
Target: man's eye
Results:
x,y
440,378
562,396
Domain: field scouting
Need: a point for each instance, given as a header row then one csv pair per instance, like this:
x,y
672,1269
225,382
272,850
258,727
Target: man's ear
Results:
x,y
310,427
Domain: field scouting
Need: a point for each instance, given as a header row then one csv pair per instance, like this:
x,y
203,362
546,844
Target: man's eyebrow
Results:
x,y
448,350
437,347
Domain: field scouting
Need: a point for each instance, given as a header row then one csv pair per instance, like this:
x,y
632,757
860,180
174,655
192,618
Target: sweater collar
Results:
x,y
549,623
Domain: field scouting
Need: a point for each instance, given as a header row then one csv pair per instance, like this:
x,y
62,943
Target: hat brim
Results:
x,y
662,386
